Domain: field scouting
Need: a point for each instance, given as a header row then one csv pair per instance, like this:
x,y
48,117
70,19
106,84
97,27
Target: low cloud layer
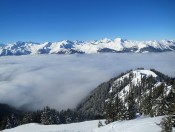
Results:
x,y
62,81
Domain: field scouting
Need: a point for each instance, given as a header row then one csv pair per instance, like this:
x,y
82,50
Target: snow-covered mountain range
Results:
x,y
98,46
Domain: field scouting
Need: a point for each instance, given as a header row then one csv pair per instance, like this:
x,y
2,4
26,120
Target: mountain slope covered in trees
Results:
x,y
146,92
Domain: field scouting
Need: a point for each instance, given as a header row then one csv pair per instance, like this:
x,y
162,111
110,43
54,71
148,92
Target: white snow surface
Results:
x,y
86,126
141,124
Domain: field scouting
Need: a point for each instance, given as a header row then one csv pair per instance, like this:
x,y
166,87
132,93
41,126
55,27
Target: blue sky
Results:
x,y
53,20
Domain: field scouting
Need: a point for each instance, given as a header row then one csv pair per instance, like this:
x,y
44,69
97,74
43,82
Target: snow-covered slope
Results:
x,y
141,124
135,78
140,85
86,126
98,46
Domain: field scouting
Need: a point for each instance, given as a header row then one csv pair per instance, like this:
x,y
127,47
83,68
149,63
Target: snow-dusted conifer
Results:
x,y
166,124
46,117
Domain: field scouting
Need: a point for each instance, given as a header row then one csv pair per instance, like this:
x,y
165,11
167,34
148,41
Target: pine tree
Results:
x,y
8,124
123,112
62,117
12,121
161,106
46,116
147,104
110,112
69,115
171,101
120,109
36,116
55,115
166,124
131,110
27,118
116,108
2,124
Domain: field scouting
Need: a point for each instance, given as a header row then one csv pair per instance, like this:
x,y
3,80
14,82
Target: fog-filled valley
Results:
x,y
62,81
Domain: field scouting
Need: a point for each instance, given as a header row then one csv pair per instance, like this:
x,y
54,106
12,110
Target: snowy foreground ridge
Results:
x,y
98,46
141,124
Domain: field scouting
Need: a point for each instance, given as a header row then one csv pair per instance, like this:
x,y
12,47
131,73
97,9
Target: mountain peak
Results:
x,y
105,40
118,39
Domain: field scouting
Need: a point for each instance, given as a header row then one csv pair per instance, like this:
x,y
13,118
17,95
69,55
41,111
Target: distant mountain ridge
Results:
x,y
106,45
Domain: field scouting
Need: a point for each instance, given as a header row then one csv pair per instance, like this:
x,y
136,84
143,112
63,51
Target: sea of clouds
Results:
x,y
62,81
